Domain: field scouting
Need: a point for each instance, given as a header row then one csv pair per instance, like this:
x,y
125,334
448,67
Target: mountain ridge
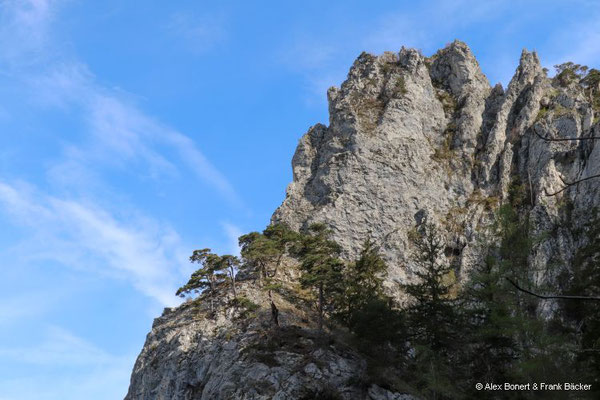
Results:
x,y
410,138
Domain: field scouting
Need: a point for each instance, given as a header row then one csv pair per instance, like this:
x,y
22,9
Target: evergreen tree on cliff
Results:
x,y
205,278
263,252
321,266
433,320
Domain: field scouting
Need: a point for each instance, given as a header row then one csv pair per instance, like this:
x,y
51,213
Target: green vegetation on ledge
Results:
x,y
446,336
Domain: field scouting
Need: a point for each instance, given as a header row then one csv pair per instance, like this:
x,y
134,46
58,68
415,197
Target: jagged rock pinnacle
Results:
x,y
410,133
409,138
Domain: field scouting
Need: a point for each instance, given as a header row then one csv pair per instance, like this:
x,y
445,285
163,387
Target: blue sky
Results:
x,y
130,136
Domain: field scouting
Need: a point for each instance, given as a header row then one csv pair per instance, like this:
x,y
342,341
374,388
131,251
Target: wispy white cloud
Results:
x,y
59,348
101,383
32,304
62,83
201,166
62,224
95,373
578,41
119,134
117,131
196,33
426,26
133,247
587,50
322,57
318,60
233,233
31,14
119,242
306,54
24,30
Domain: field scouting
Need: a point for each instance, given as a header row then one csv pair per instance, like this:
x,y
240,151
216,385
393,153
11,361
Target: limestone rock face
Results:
x,y
410,138
191,355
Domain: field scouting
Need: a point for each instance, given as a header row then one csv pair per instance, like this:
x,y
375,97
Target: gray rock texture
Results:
x,y
237,354
409,138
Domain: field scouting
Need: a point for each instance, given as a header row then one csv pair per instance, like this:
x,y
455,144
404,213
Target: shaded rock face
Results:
x,y
192,355
411,136
410,139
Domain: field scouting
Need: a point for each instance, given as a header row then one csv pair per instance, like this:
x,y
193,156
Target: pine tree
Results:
x,y
591,84
432,313
434,320
569,72
283,239
495,312
321,266
363,283
507,339
207,277
263,252
585,315
255,253
366,276
489,303
229,264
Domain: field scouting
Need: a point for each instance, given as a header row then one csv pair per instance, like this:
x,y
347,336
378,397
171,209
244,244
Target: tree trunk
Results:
x,y
262,273
434,380
274,314
277,264
212,291
321,308
232,275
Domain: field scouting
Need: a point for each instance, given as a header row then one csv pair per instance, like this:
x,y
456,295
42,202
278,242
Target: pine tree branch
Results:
x,y
547,139
569,184
546,297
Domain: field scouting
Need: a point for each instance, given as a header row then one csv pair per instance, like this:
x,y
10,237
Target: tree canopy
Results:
x,y
321,265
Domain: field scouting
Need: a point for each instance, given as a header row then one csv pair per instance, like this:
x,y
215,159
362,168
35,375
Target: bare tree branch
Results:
x,y
546,297
569,184
566,184
547,139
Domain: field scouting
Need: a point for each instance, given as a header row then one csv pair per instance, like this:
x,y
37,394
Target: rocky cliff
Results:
x,y
409,138
237,354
